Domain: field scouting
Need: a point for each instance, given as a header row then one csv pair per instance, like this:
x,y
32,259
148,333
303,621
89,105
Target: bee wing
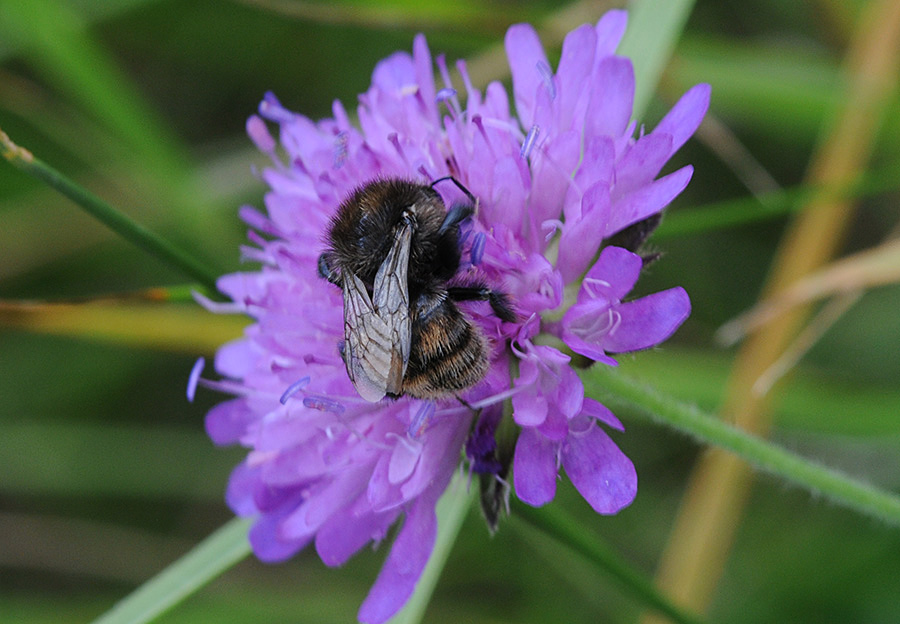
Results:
x,y
377,330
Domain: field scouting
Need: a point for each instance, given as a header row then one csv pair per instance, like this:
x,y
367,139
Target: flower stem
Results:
x,y
616,389
552,520
451,510
115,220
207,560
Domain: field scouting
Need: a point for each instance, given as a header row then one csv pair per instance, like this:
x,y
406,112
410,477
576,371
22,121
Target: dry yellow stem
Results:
x,y
718,489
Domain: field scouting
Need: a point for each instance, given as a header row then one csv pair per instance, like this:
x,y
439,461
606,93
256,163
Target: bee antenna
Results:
x,y
467,405
459,185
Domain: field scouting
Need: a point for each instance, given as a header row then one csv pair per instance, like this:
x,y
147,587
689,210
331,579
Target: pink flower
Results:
x,y
553,182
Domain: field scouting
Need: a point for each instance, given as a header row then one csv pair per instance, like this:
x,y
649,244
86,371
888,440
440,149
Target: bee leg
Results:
x,y
459,185
500,303
326,271
456,215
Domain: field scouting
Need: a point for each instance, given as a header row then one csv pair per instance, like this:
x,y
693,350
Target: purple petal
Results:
x,y
610,29
227,422
403,460
574,69
241,493
404,565
612,97
509,190
268,544
529,406
425,74
555,426
525,53
236,358
347,531
649,199
585,327
595,409
642,162
535,468
580,240
344,488
395,73
612,277
649,320
603,475
685,116
259,134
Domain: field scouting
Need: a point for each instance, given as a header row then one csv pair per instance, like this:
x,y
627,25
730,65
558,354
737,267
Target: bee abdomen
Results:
x,y
448,354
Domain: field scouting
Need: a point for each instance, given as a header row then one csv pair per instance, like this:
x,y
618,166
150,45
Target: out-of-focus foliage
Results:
x,y
106,475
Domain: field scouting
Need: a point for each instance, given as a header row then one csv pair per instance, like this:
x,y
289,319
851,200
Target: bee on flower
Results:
x,y
408,266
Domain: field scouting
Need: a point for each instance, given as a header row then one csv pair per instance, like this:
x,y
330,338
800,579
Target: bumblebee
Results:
x,y
393,248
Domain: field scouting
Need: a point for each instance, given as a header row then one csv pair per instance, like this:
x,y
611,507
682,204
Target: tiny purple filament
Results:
x,y
445,94
420,421
323,404
530,140
478,248
194,378
340,154
271,109
293,389
547,75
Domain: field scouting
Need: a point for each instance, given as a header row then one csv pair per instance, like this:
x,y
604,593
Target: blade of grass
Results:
x,y
747,210
55,38
210,558
617,390
718,489
451,510
653,30
553,521
179,328
118,222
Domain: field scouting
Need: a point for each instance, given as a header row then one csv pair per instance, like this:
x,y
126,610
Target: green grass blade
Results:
x,y
210,558
118,222
554,522
748,210
55,38
451,511
620,391
653,29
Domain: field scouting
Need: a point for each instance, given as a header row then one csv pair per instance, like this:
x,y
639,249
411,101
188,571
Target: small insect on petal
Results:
x,y
293,389
323,404
194,378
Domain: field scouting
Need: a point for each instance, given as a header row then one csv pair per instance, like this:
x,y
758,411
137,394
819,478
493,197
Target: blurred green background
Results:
x,y
106,475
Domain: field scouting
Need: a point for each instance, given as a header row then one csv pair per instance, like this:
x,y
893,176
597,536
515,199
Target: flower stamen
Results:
x,y
323,404
477,252
194,378
547,76
530,140
293,389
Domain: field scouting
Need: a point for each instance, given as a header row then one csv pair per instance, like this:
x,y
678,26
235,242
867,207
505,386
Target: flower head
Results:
x,y
553,182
